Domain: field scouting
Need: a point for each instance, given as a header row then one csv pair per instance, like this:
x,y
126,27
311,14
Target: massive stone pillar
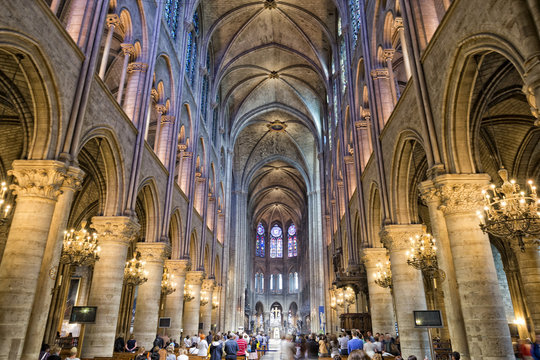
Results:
x,y
215,311
115,234
380,299
51,257
481,302
529,268
174,304
452,303
408,287
37,191
191,308
149,293
206,310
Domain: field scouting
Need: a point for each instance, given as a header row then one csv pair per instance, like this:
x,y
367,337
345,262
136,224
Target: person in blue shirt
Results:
x,y
535,350
355,343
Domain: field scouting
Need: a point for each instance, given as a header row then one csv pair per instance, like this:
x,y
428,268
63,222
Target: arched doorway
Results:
x,y
276,320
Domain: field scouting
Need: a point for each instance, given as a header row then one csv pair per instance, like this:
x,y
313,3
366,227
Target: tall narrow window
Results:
x,y
280,283
172,12
256,282
291,283
276,242
354,11
272,282
296,282
292,245
261,278
342,65
259,248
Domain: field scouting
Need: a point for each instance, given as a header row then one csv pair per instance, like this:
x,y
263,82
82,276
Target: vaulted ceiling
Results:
x,y
272,65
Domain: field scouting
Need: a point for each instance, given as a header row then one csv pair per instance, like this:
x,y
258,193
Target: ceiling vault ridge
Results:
x,y
239,124
246,178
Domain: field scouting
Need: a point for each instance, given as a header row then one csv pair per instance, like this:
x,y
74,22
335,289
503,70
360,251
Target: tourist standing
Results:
x,y
216,348
355,343
231,348
343,341
203,348
131,344
312,348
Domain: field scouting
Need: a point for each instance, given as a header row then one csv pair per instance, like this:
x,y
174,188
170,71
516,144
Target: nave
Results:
x,y
285,167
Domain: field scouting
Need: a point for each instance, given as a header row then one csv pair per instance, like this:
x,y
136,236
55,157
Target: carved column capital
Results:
x,y
379,73
208,285
137,66
397,237
160,108
372,256
120,229
178,267
153,251
188,26
461,193
398,23
167,119
182,147
361,124
39,178
112,20
388,54
194,277
127,49
429,193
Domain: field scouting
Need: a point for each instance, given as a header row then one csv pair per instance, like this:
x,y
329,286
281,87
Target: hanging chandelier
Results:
x,y
509,213
204,298
168,286
80,248
383,276
134,272
5,206
215,301
423,256
349,295
188,293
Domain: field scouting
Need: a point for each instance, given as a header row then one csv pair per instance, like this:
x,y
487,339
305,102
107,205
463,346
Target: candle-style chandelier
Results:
x,y
5,206
168,286
383,276
509,213
80,248
423,256
215,301
204,298
341,297
134,272
188,293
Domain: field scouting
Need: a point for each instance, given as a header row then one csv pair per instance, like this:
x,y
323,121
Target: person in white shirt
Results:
x,y
343,341
369,347
203,348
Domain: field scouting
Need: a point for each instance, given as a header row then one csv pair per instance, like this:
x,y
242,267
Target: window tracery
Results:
x,y
259,245
276,242
292,243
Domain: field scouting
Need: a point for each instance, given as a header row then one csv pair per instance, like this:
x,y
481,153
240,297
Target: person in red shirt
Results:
x,y
242,345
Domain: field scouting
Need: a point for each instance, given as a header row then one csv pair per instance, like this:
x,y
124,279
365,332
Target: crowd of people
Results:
x,y
241,346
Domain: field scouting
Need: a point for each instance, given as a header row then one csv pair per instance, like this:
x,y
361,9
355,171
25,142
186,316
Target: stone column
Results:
x,y
452,303
112,22
160,109
529,268
388,55
185,171
131,105
115,235
128,50
383,92
364,140
206,310
408,287
165,138
149,293
37,190
380,299
49,265
174,304
398,25
191,308
481,302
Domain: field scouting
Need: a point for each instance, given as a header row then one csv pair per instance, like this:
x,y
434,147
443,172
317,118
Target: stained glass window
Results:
x,y
292,241
172,12
189,49
193,62
276,242
342,65
196,25
354,10
259,248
